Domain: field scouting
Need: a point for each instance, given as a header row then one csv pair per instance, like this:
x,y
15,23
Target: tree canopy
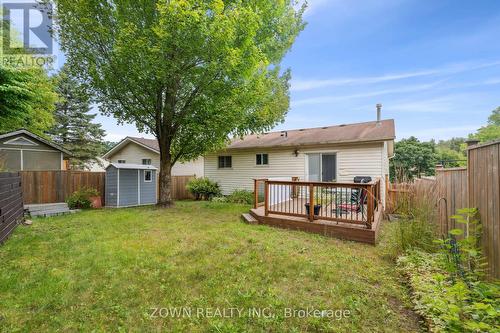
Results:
x,y
74,128
191,72
491,131
413,159
27,95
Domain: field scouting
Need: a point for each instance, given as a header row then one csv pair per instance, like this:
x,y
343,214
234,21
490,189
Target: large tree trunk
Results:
x,y
165,199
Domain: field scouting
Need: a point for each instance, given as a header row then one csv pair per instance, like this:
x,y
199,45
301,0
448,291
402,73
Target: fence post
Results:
x,y
266,198
370,215
311,202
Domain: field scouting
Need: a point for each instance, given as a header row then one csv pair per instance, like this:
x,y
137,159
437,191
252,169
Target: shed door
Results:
x,y
128,188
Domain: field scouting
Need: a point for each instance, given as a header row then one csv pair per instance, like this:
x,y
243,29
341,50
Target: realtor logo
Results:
x,y
27,27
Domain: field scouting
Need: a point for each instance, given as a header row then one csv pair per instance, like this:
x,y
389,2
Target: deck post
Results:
x,y
266,198
370,208
294,188
255,194
311,202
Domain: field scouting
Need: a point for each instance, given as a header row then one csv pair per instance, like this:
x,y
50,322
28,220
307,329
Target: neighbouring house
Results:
x,y
147,152
325,154
22,150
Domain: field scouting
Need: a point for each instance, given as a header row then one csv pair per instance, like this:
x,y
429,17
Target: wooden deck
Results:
x,y
348,231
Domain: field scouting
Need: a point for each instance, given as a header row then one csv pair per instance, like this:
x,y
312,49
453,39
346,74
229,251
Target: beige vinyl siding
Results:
x,y
134,154
282,163
352,160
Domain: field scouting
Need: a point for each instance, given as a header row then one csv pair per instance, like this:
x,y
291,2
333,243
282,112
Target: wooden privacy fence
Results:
x,y
452,195
56,186
484,194
477,186
179,191
11,203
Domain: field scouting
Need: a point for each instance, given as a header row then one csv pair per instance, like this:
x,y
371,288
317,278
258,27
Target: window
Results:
x,y
225,162
146,161
262,159
122,161
148,176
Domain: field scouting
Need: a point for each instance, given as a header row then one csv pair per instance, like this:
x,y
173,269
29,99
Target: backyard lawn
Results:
x,y
127,269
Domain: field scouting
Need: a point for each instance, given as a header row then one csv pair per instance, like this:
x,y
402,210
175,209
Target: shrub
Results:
x,y
81,199
448,290
418,225
203,188
241,197
448,304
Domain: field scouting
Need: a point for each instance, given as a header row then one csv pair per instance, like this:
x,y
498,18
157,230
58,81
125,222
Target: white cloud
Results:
x,y
450,69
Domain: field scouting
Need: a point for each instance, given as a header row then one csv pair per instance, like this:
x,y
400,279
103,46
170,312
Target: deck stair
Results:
x,y
45,210
248,218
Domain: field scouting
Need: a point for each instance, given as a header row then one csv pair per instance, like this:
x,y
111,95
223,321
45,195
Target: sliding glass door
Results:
x,y
322,167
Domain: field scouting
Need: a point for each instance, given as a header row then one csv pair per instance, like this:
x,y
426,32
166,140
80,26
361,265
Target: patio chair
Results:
x,y
358,199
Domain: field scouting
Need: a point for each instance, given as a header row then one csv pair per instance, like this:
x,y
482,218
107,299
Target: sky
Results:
x,y
433,65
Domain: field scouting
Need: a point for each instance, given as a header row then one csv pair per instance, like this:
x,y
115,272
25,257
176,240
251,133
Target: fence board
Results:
x,y
56,186
484,194
452,195
11,203
179,191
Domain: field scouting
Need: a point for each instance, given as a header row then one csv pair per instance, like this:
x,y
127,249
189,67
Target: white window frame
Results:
x,y
321,153
147,159
261,159
151,178
122,161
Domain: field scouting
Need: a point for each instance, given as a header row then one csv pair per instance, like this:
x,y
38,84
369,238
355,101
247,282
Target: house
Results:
x,y
22,150
325,154
147,152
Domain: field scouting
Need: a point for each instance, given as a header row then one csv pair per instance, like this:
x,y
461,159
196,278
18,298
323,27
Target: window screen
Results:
x,y
146,161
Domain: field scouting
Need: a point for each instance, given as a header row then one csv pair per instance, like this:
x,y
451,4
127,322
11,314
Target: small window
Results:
x,y
146,161
225,162
262,159
148,176
122,161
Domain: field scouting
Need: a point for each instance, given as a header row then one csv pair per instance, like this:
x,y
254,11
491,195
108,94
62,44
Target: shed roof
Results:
x,y
360,132
132,166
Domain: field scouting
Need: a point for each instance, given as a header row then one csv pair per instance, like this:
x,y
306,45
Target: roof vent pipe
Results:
x,y
379,112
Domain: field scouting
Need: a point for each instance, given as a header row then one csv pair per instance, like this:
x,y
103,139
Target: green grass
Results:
x,y
105,270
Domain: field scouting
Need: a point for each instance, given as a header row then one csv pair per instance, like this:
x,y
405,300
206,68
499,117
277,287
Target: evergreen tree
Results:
x,y
74,129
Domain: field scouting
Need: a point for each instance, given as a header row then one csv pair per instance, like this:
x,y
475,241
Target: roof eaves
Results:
x,y
123,142
321,143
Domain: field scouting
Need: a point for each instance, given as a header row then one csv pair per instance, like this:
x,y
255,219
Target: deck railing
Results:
x,y
341,202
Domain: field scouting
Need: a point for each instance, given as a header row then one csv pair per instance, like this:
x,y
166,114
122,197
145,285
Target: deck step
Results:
x,y
247,218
